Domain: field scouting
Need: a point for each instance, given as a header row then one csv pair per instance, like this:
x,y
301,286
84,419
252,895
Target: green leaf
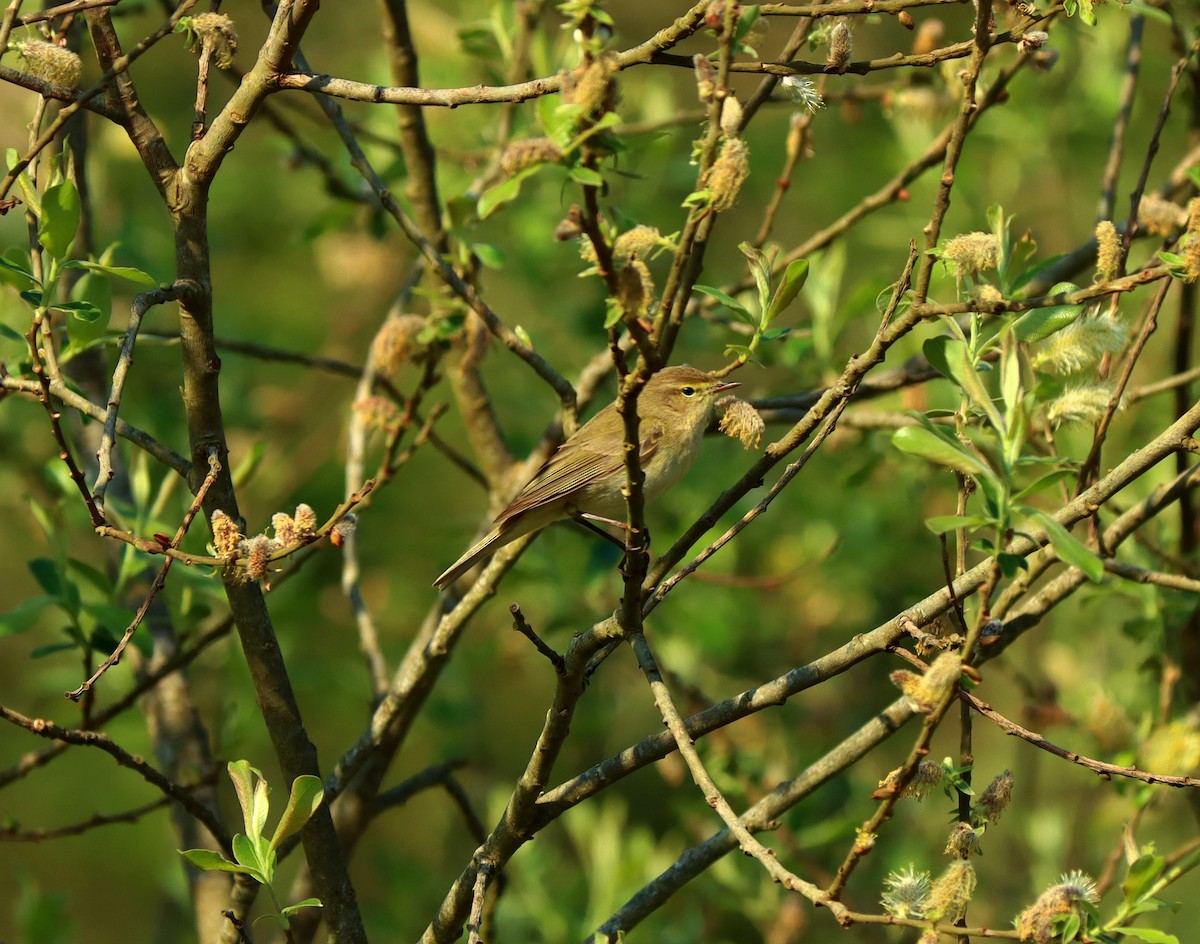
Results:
x,y
1011,564
45,572
128,273
95,289
504,192
922,442
1070,548
1068,927
11,334
24,615
246,852
307,903
491,257
729,302
1149,935
1039,324
60,219
940,524
935,352
251,791
964,373
83,311
307,794
794,277
208,861
26,277
244,471
1142,875
586,176
1043,483
760,268
28,192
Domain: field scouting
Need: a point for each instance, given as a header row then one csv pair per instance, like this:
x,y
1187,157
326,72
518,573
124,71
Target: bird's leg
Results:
x,y
586,520
637,546
629,547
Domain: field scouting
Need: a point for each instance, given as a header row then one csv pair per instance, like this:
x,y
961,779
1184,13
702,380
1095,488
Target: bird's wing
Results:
x,y
575,464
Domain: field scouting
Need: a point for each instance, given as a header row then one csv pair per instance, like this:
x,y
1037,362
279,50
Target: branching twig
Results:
x,y
178,793
160,580
1105,770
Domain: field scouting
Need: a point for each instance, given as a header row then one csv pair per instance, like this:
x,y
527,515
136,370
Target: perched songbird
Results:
x,y
586,474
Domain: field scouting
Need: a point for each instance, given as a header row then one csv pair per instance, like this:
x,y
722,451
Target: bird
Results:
x,y
586,474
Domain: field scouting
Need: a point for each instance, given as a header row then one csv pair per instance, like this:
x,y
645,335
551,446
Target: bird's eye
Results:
x,y
688,391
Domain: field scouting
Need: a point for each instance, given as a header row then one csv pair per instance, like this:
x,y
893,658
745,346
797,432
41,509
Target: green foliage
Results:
x,y
253,853
771,302
997,439
827,565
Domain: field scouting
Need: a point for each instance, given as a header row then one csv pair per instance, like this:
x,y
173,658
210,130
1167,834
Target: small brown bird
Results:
x,y
586,474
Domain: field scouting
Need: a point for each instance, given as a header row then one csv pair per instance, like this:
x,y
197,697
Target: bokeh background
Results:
x,y
298,270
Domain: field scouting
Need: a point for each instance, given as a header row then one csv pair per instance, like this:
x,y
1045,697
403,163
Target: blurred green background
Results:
x,y
298,270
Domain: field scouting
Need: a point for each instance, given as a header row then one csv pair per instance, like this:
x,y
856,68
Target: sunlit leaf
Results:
x,y
1070,548
919,441
128,273
60,219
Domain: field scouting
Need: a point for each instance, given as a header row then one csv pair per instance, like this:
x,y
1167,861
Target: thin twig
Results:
x,y
1105,770
141,304
160,580
177,792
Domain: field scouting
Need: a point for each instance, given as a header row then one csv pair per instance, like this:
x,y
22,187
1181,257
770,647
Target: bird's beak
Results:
x,y
728,385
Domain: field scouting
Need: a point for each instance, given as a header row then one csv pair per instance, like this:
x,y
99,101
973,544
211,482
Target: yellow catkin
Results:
x,y
523,154
741,421
1108,250
51,62
973,252
727,174
217,33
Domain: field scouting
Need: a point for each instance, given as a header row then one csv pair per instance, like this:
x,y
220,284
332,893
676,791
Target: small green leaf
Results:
x,y
760,268
1070,548
307,903
1043,483
1149,935
128,273
28,192
45,572
208,861
919,441
491,257
246,852
95,289
504,192
244,471
60,219
729,302
794,277
81,311
26,277
1011,564
24,615
1068,927
306,795
941,524
586,176
1141,877
935,352
964,373
1039,324
251,790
